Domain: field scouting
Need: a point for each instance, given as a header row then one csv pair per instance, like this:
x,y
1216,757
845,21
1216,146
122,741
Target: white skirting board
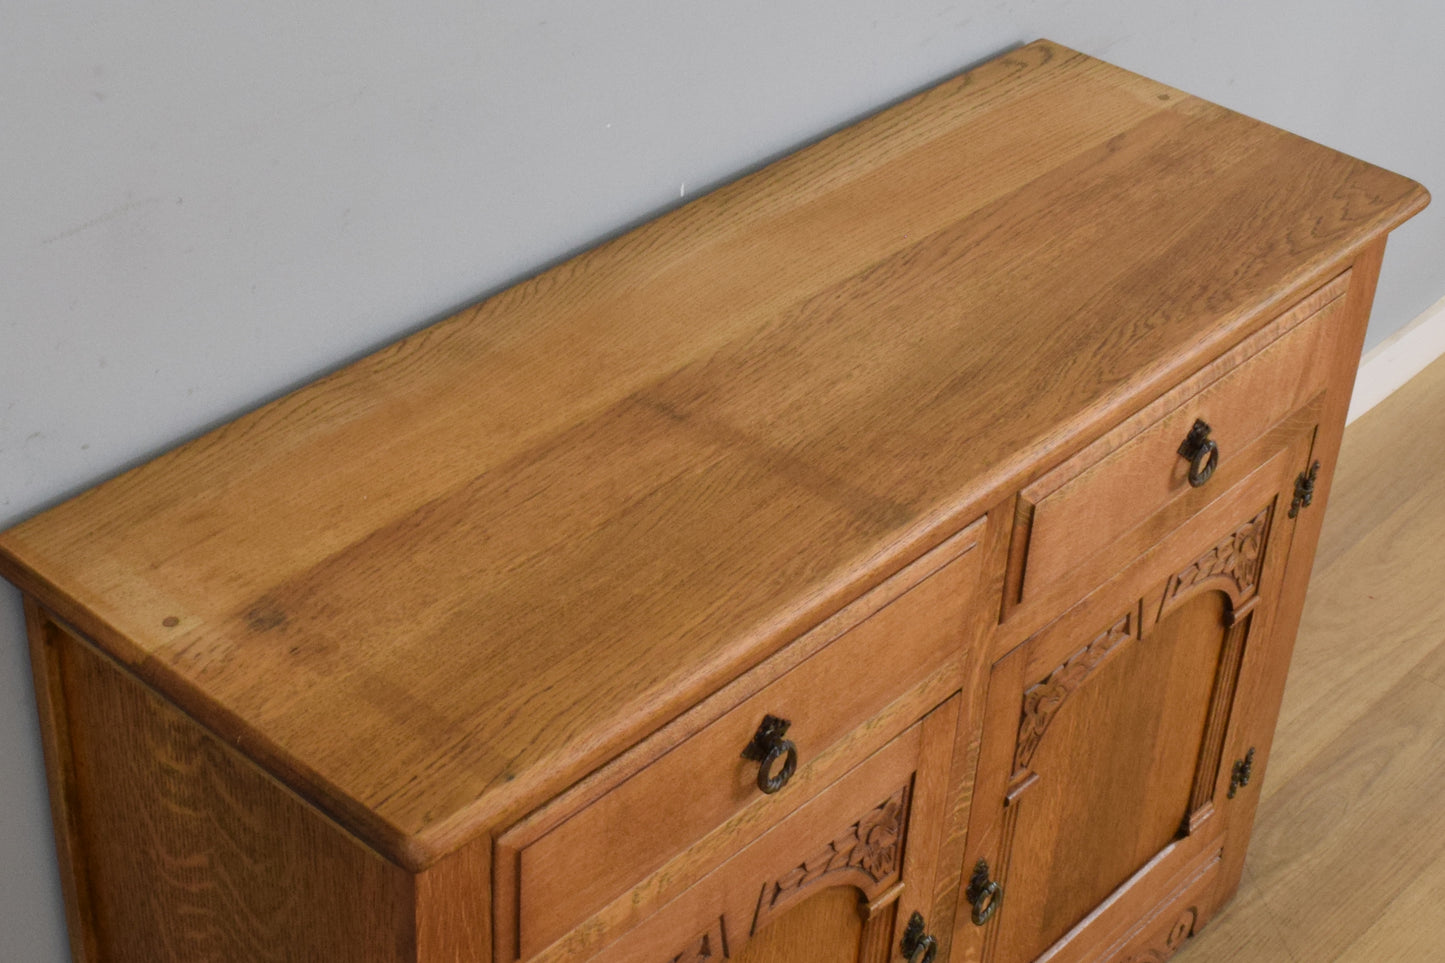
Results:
x,y
1397,359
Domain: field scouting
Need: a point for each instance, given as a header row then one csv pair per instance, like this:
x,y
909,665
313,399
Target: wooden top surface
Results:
x,y
455,576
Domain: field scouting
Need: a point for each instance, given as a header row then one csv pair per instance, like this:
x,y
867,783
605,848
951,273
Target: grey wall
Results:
x,y
204,204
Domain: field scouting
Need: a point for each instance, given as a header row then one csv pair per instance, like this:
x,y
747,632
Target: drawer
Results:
x,y
558,868
870,838
1131,475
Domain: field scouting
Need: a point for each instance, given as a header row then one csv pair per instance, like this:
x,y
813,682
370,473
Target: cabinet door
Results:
x,y
1106,770
837,881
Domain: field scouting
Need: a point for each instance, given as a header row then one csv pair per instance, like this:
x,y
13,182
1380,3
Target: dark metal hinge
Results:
x,y
1243,772
1304,489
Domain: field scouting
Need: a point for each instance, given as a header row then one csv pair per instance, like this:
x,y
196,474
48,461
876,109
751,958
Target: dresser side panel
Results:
x,y
190,854
60,776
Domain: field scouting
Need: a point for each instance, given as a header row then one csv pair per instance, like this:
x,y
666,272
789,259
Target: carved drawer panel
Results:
x,y
593,861
1125,480
872,833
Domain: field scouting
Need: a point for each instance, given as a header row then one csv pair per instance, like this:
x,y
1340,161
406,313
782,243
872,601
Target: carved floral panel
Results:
x,y
1235,559
1043,700
867,854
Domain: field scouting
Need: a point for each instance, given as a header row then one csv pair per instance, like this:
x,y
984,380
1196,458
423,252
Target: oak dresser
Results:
x,y
894,554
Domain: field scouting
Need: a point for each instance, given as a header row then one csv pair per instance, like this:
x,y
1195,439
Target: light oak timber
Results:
x,y
60,772
837,910
1376,495
1169,928
1342,822
566,864
1106,490
1376,549
1080,795
185,840
1316,324
1263,691
1244,930
1355,764
952,871
1404,931
485,603
835,839
272,539
454,907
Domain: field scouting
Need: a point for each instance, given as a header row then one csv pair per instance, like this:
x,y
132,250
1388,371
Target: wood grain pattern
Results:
x,y
44,637
1274,461
711,945
1150,924
1372,578
193,856
1243,930
1408,928
1321,832
1352,793
867,853
1077,512
592,856
1169,941
1117,770
725,811
1042,700
451,655
1106,728
1262,684
695,873
832,911
833,840
1233,563
974,692
454,907
447,582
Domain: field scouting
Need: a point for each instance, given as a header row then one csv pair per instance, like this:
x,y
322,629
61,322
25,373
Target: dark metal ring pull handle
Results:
x,y
985,894
918,946
1202,453
767,747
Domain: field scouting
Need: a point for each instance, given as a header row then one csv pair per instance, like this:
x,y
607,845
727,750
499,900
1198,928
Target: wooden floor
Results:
x,y
1348,857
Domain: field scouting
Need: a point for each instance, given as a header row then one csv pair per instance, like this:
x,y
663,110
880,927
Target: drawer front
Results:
x,y
552,881
873,834
1119,483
